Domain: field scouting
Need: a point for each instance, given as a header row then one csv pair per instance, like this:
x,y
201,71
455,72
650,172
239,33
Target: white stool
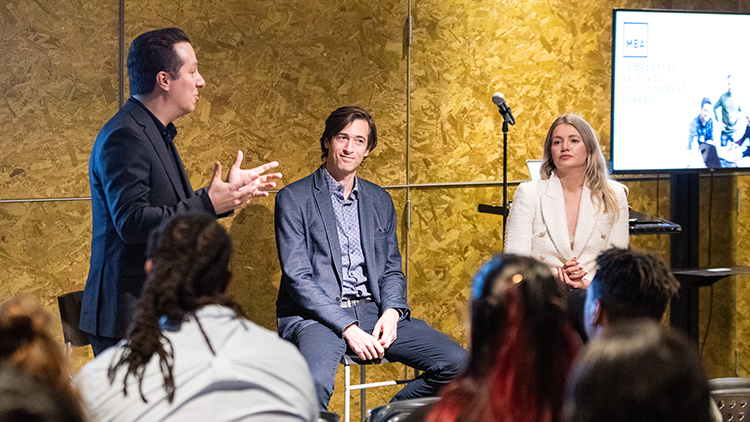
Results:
x,y
349,360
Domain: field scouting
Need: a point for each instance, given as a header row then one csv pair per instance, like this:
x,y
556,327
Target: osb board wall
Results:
x,y
274,71
59,84
546,57
44,251
742,295
58,63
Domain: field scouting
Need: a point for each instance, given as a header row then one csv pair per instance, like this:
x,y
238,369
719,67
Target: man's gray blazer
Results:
x,y
308,245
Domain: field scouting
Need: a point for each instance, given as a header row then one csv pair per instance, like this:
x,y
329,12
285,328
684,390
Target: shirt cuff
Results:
x,y
209,206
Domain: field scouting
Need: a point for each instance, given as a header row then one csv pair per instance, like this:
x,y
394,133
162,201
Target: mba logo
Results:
x,y
635,39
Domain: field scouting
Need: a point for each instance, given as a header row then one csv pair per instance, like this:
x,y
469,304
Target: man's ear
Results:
x,y
147,266
163,81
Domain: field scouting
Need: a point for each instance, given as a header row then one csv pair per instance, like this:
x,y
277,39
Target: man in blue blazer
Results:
x,y
342,286
137,180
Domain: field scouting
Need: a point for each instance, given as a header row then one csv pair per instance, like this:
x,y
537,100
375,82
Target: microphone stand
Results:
x,y
505,176
504,111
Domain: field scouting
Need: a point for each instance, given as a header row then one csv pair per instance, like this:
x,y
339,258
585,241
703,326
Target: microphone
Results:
x,y
499,100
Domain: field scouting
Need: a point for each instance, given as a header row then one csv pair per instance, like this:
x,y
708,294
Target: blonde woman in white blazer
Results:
x,y
575,211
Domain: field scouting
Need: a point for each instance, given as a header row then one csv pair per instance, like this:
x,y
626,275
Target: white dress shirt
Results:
x,y
254,376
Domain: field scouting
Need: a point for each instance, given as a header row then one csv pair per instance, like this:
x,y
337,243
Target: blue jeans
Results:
x,y
726,138
417,345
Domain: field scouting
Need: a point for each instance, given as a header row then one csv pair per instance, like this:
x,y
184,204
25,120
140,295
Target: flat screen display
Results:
x,y
680,98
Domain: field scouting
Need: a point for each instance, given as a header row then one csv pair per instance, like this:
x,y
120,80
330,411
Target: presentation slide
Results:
x,y
680,91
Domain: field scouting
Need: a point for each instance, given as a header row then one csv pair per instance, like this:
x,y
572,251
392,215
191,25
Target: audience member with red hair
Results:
x,y
522,347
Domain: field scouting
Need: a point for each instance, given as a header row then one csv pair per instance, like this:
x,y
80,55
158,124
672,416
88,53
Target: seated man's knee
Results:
x,y
457,358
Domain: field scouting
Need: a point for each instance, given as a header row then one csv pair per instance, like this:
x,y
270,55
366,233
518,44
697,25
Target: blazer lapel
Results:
x,y
323,201
553,212
367,231
165,156
587,217
183,175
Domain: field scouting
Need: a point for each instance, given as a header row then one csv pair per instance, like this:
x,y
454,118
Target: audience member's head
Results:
x,y
26,342
627,285
638,372
24,398
187,268
522,347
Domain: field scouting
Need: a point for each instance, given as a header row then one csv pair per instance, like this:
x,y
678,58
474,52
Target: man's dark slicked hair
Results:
x,y
340,119
632,285
153,52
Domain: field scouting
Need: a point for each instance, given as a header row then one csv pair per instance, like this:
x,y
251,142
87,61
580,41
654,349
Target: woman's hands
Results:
x,y
572,274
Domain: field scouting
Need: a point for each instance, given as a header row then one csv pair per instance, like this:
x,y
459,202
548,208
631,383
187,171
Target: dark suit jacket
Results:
x,y
135,185
310,255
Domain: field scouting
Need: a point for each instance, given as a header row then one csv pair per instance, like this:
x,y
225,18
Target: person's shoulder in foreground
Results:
x,y
254,375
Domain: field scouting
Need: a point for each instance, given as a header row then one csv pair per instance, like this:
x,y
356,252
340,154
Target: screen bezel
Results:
x,y
612,149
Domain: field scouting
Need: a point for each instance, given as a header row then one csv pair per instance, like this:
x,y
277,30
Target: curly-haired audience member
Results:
x,y
522,347
628,285
189,353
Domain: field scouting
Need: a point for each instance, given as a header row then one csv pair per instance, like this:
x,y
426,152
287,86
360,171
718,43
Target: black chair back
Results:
x,y
70,314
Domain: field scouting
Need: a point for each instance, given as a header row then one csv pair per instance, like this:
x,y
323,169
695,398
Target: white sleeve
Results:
x,y
520,220
620,235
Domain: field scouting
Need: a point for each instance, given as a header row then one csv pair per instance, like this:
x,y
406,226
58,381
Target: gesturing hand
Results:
x,y
253,179
364,345
241,185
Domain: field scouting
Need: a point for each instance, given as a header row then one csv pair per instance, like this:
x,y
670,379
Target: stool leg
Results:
x,y
347,391
362,394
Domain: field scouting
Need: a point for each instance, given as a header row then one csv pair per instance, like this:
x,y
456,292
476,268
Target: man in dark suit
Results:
x,y
342,286
137,180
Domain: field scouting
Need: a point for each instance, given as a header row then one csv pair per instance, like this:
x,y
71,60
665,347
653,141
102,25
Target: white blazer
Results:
x,y
538,226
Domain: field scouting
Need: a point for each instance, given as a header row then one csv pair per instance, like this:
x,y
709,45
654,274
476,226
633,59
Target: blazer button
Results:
x,y
604,236
338,299
542,234
541,257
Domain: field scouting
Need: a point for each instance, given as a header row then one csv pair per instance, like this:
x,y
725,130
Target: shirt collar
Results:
x,y
167,132
207,311
338,188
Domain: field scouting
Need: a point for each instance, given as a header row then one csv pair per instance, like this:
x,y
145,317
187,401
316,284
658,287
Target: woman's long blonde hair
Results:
x,y
596,176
